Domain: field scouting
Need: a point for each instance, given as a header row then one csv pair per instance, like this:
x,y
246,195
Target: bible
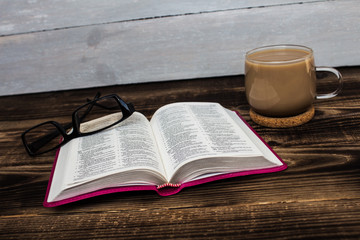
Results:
x,y
184,144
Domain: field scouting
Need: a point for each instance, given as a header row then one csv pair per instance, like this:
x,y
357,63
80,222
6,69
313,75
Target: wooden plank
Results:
x,y
211,44
278,220
30,16
316,197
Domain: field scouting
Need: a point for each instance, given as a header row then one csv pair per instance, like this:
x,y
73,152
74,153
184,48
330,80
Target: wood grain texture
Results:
x,y
19,17
180,46
316,197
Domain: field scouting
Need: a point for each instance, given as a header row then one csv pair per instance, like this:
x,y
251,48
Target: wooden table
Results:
x,y
318,196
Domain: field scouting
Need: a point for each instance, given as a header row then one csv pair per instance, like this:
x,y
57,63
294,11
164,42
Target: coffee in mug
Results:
x,y
280,80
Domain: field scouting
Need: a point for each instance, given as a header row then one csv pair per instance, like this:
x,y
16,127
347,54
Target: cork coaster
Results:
x,y
284,122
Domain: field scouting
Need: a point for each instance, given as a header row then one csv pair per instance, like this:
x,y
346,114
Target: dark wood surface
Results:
x,y
318,196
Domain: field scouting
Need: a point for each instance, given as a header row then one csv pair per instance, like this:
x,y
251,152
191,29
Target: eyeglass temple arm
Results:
x,y
36,145
98,105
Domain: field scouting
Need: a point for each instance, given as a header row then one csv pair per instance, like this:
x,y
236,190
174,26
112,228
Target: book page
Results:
x,y
128,145
188,131
269,155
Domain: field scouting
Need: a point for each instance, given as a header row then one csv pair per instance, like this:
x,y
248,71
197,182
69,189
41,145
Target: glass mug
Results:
x,y
280,80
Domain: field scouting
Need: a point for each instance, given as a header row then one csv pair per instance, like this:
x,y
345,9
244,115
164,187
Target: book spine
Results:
x,y
168,185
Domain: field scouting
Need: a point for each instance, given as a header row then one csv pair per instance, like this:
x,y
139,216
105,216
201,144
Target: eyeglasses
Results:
x,y
103,112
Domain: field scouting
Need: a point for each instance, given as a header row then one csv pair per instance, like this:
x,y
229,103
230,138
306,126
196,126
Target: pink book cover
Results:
x,y
165,189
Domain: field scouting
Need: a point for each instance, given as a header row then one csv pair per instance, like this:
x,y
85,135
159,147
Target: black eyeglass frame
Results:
x,y
127,110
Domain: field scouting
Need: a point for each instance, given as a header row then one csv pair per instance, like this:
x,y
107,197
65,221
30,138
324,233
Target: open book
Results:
x,y
184,144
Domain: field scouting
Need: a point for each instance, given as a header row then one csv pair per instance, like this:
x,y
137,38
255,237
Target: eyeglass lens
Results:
x,y
103,112
43,138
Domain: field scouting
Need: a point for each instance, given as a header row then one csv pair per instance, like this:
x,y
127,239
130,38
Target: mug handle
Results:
x,y
340,80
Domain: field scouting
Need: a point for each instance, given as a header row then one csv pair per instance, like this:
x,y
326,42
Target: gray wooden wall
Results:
x,y
56,45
